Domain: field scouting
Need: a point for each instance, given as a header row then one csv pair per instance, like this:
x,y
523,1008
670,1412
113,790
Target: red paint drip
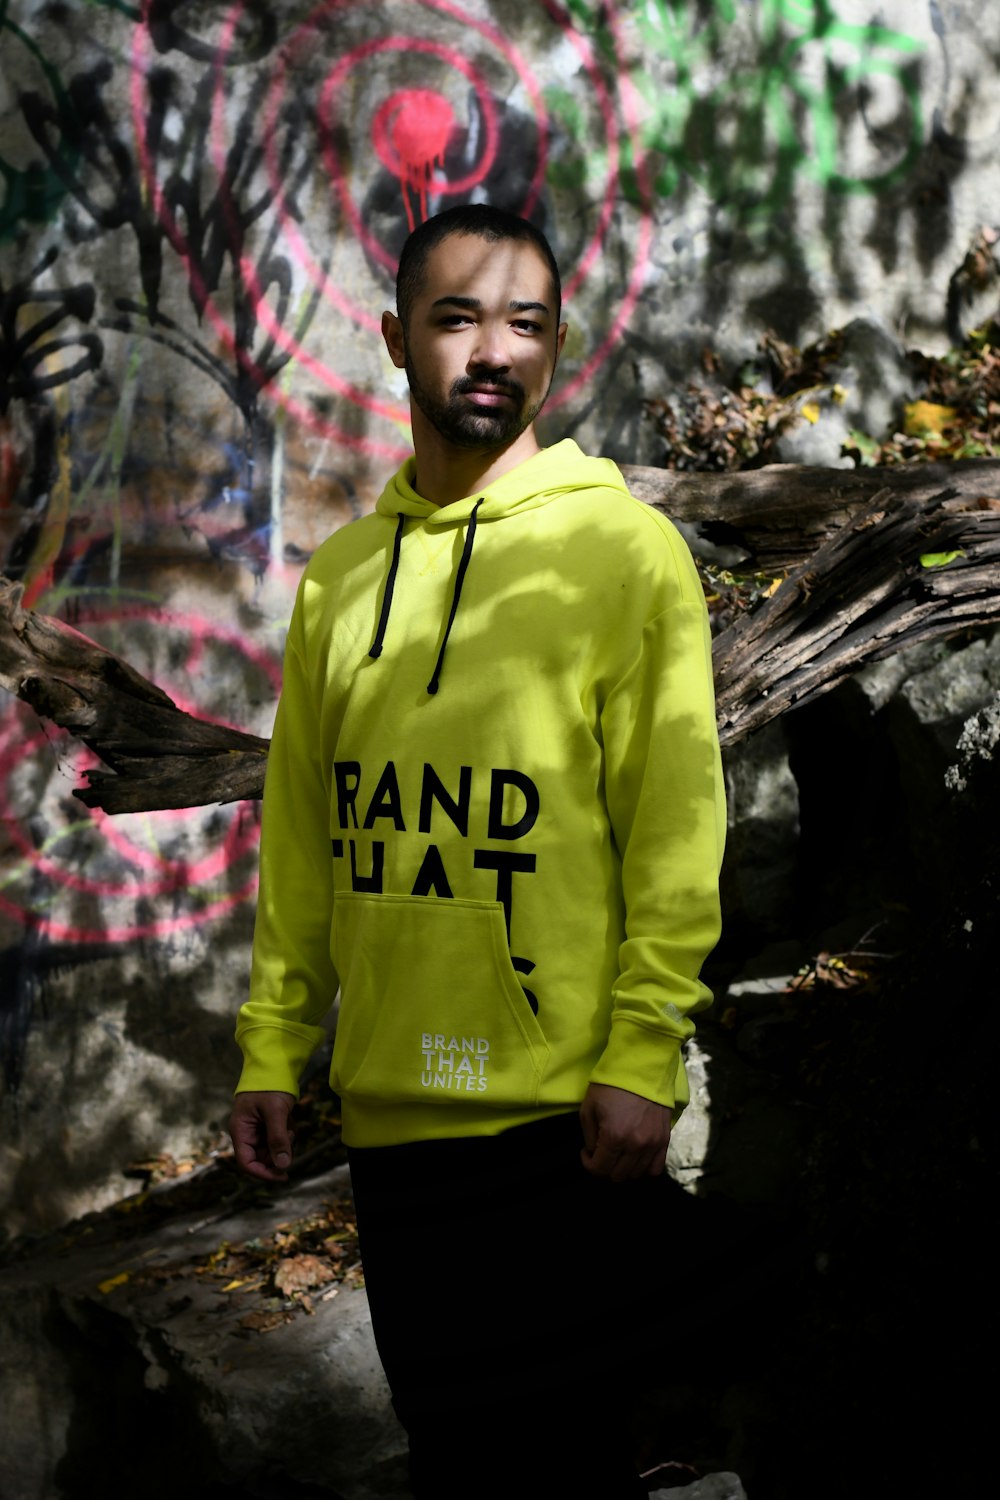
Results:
x,y
410,134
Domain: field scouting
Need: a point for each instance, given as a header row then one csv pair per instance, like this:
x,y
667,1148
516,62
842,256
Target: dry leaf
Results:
x,y
263,1322
104,1287
297,1273
927,416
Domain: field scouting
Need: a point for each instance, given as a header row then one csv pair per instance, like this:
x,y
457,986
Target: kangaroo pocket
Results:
x,y
430,1005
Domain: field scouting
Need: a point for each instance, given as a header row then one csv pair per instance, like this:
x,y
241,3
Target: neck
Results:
x,y
446,473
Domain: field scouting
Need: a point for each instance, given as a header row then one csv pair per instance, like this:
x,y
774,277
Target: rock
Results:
x,y
759,871
819,441
710,1487
957,685
977,742
867,386
113,1053
300,1409
691,1134
974,288
874,371
36,1395
879,681
925,720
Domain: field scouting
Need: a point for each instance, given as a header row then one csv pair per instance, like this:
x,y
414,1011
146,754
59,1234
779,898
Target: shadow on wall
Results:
x,y
113,1056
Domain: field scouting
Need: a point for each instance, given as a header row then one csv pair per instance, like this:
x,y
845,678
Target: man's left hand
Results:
x,y
624,1135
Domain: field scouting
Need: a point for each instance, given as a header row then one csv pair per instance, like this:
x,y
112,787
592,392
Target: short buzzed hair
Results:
x,y
484,221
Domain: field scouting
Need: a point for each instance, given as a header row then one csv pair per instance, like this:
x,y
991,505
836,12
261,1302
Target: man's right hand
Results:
x,y
262,1136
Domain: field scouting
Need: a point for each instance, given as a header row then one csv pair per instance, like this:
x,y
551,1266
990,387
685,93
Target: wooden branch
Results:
x,y
159,756
857,593
778,516
862,596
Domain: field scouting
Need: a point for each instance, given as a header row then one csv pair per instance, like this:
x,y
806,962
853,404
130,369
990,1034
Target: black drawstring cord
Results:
x,y
390,584
432,686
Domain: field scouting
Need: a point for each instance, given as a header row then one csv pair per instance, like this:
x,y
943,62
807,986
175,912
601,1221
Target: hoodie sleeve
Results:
x,y
292,982
666,802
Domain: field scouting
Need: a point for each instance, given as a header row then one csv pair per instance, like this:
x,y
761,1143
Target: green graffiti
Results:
x,y
750,134
570,168
31,194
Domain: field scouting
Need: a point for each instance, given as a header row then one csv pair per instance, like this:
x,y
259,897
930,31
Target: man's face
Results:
x,y
481,343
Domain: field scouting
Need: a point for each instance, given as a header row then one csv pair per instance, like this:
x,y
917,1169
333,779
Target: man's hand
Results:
x,y
262,1137
624,1135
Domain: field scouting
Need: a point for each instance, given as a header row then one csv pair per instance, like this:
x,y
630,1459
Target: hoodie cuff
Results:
x,y
645,1062
273,1059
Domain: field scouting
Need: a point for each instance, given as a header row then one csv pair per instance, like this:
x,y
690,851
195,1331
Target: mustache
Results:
x,y
466,383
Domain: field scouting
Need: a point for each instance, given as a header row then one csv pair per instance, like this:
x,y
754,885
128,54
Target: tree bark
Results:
x,y
857,592
866,593
778,516
159,756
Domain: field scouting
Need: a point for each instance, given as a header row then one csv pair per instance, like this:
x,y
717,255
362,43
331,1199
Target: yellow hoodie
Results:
x,y
493,810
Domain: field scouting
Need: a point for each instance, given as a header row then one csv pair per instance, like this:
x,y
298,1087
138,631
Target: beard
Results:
x,y
465,426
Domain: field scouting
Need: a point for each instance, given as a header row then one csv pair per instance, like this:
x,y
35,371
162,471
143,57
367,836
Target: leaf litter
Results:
x,y
279,1274
270,1278
717,424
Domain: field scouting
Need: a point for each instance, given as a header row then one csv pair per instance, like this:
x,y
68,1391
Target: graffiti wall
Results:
x,y
201,209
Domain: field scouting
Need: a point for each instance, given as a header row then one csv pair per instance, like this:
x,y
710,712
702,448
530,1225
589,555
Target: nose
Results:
x,y
490,351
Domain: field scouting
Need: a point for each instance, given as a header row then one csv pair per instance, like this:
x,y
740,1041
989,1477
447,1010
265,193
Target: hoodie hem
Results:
x,y
379,1124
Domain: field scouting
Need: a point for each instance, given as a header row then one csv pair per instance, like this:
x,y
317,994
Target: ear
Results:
x,y
561,338
392,332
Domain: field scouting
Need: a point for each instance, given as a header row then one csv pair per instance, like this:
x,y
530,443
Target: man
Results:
x,y
493,815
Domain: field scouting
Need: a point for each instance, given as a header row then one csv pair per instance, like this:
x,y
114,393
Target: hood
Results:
x,y
552,472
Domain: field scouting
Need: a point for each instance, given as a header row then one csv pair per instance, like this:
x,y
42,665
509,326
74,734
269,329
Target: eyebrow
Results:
x,y
475,305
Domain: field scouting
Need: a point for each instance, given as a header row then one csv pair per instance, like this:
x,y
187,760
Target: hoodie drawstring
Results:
x,y
390,583
463,565
375,650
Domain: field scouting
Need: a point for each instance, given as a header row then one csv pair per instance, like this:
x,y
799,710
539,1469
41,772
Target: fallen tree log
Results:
x,y
902,571
864,592
775,518
159,756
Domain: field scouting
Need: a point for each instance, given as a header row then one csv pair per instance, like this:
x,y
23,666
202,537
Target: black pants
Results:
x,y
518,1304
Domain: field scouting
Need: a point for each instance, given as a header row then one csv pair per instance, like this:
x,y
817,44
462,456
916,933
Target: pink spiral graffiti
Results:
x,y
414,153
136,841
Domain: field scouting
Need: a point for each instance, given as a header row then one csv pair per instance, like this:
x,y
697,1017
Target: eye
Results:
x,y
527,325
455,320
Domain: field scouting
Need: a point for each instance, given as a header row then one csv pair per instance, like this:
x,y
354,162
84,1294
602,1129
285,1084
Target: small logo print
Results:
x,y
457,1063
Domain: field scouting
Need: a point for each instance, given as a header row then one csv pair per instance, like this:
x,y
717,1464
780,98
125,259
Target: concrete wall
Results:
x,y
201,206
